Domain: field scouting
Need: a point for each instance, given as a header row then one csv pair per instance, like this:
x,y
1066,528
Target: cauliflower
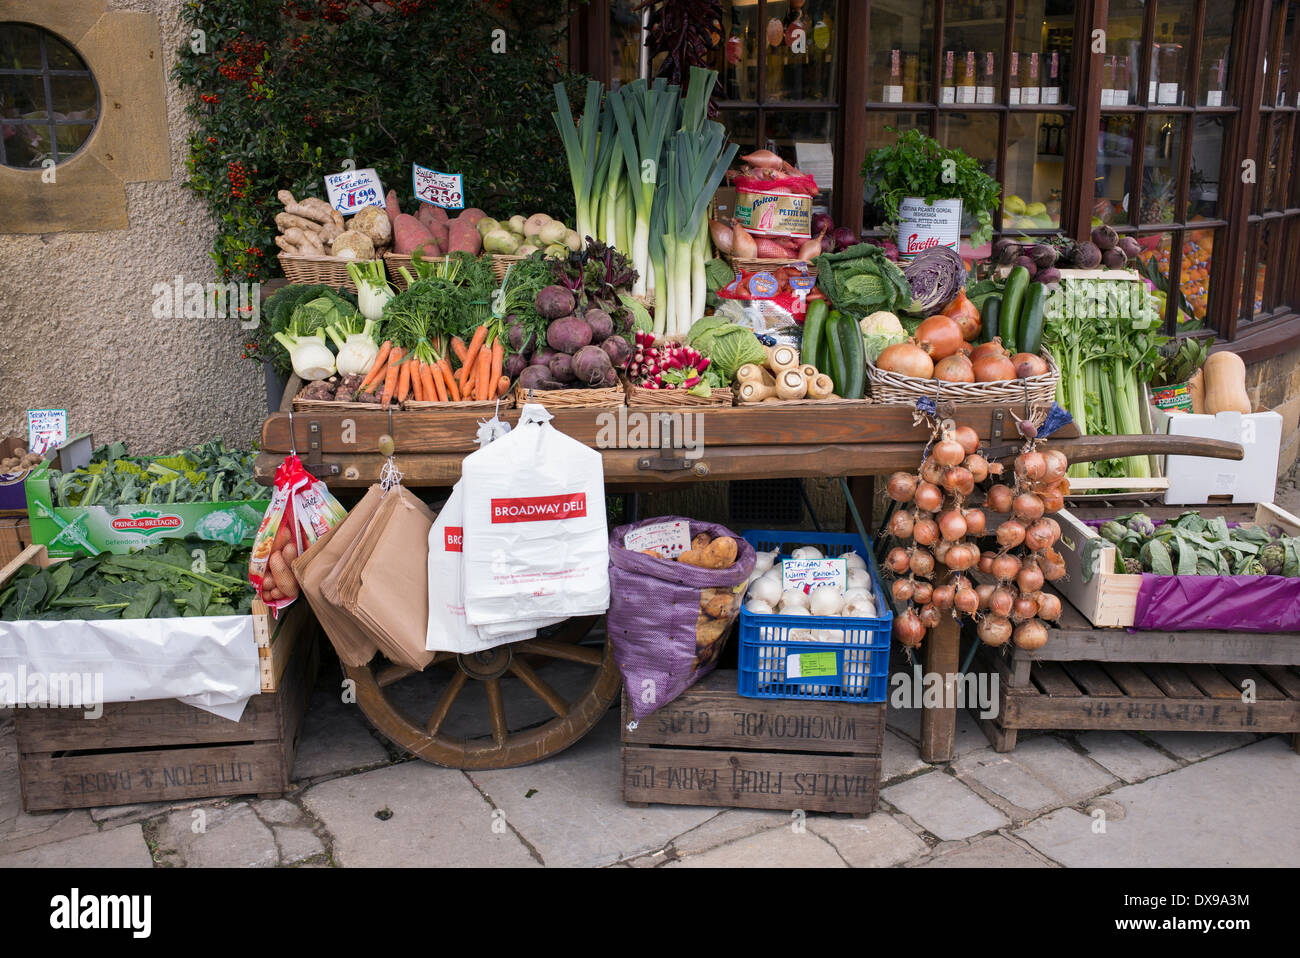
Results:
x,y
223,525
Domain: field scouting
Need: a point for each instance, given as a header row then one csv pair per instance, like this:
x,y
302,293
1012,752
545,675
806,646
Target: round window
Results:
x,y
49,101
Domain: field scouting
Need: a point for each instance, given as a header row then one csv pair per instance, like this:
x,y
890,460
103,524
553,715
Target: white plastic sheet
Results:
x,y
209,662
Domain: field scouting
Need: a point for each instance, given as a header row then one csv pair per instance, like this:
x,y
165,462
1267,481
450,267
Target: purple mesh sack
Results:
x,y
669,620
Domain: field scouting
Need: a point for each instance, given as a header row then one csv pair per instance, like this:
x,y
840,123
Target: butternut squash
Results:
x,y
1196,388
1225,384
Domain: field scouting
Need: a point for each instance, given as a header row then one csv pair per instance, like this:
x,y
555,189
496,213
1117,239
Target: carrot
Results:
x,y
377,369
503,384
390,378
482,373
403,381
458,347
498,359
475,345
453,391
416,386
433,375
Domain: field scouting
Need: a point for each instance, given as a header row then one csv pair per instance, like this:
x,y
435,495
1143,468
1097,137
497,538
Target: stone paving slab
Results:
x,y
943,806
877,841
1194,746
900,758
277,811
432,817
296,844
778,847
336,738
229,837
1125,755
1002,776
115,848
1236,809
991,851
1060,767
727,825
576,815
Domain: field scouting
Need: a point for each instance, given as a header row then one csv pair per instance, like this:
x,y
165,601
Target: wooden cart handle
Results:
x,y
1095,448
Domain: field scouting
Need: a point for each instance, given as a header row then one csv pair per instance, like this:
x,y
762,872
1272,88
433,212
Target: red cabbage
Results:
x,y
936,276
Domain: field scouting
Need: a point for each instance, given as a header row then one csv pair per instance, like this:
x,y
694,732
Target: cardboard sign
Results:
x,y
807,574
669,539
46,429
438,189
350,190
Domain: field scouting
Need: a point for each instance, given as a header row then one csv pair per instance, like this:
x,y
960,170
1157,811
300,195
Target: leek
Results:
x,y
643,116
581,147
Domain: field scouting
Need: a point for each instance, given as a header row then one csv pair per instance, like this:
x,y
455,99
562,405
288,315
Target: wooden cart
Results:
x,y
857,440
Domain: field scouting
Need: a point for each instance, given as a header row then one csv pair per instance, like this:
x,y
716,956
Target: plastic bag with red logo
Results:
x,y
301,511
535,541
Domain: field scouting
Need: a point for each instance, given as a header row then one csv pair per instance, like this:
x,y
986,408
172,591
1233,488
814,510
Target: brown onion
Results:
x,y
1027,364
906,359
959,480
921,563
1025,607
1005,567
1010,534
968,437
993,369
925,531
984,590
1030,635
901,487
963,556
999,498
937,337
966,600
1001,601
929,497
922,592
1049,607
897,560
952,525
994,630
1053,565
942,597
975,521
901,524
932,471
954,369
930,616
1053,501
986,562
1038,536
903,589
991,348
978,466
1027,507
948,452
1057,464
1031,466
941,550
1030,576
908,630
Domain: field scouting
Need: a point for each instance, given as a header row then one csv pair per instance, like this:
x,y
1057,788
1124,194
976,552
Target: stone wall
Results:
x,y
1275,384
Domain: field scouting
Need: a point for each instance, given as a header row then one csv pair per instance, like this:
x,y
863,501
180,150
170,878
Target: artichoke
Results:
x,y
1132,566
1113,531
1272,557
1140,523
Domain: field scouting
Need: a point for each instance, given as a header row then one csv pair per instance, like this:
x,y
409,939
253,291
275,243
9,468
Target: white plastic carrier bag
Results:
x,y
535,541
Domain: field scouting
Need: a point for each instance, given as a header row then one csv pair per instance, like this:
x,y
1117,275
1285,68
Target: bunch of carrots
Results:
x,y
423,374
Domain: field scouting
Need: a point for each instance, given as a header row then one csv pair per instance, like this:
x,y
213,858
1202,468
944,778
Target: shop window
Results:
x,y
49,102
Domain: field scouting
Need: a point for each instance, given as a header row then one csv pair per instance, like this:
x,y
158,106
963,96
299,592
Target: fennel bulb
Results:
x,y
357,348
310,355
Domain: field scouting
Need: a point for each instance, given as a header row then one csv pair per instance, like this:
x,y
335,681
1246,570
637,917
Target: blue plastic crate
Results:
x,y
861,661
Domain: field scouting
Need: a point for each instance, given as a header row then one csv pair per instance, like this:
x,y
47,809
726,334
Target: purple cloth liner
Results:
x,y
654,605
1228,603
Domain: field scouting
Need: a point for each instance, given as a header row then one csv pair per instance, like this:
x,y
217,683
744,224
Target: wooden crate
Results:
x,y
1091,678
164,750
15,536
709,746
1109,598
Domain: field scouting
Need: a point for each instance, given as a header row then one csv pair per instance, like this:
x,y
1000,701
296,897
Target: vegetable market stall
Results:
x,y
853,440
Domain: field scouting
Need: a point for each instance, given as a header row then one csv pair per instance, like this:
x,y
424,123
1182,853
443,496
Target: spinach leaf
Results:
x,y
143,602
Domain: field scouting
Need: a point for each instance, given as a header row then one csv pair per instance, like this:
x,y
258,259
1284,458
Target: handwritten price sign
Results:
x,y
350,190
440,189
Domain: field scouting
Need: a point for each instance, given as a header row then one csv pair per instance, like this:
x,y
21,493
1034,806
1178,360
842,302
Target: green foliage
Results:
x,y
916,165
158,582
208,472
286,92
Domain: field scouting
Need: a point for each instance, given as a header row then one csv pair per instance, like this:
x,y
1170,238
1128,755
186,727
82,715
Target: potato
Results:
x,y
652,552
700,541
692,557
719,606
708,631
721,552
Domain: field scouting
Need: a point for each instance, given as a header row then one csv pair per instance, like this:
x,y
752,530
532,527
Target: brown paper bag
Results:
x,y
384,583
354,646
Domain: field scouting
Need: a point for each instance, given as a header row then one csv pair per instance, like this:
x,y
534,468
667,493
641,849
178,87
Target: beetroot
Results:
x,y
1114,258
515,364
568,335
1087,255
542,357
538,377
590,364
561,366
601,323
618,350
1027,263
553,302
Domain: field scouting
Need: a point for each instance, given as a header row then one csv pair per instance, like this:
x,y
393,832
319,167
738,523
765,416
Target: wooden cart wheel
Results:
x,y
380,686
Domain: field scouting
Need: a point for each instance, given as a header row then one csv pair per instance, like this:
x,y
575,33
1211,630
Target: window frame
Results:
x,y
45,73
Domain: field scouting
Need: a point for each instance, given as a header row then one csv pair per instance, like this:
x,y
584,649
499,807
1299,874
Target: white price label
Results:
x,y
438,189
807,574
669,539
46,429
350,190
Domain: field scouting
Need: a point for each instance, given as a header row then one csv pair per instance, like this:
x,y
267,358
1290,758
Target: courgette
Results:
x,y
835,342
855,370
1012,299
1031,319
814,331
989,318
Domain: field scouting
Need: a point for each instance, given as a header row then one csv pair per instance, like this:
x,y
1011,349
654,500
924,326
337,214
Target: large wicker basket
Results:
x,y
887,387
501,262
393,263
642,398
744,264
310,270
611,397
505,402
781,403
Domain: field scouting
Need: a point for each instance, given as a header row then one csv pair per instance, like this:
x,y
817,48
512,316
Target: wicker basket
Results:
x,y
642,398
393,262
326,270
561,398
327,405
501,262
505,402
741,263
887,387
781,403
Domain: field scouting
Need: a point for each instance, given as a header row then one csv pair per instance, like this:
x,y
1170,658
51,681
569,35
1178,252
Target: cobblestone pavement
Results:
x,y
1058,800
